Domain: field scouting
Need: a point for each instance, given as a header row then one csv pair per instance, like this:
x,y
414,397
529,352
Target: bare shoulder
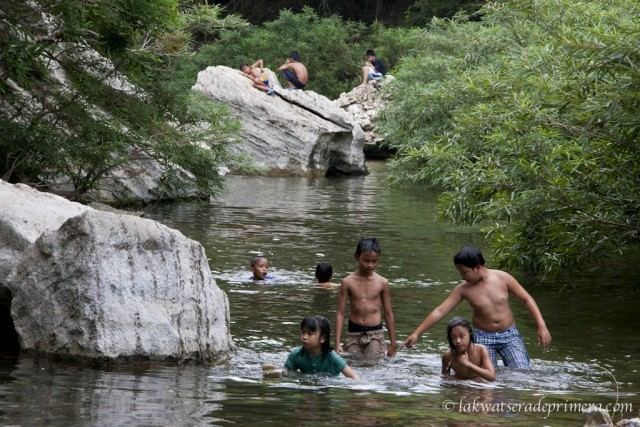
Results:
x,y
381,279
501,275
348,280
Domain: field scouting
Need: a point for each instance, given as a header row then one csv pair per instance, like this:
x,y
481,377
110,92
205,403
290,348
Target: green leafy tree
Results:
x,y
529,122
71,115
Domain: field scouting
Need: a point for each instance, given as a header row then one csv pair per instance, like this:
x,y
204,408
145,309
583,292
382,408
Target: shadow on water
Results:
x,y
296,223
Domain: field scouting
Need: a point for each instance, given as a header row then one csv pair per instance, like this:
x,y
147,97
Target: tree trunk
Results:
x,y
378,13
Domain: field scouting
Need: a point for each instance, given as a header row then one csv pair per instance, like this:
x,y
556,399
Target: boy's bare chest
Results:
x,y
487,295
364,291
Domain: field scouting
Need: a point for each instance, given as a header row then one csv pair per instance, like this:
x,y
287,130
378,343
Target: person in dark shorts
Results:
x,y
294,72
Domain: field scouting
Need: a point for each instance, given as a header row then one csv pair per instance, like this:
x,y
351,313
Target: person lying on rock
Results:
x,y
255,72
294,72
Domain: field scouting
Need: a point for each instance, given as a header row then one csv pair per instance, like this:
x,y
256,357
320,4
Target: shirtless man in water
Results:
x,y
370,300
488,294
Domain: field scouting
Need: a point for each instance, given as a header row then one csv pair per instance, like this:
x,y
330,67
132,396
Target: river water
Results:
x,y
296,223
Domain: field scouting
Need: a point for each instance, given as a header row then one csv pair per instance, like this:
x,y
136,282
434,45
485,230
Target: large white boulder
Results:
x,y
26,213
289,133
103,285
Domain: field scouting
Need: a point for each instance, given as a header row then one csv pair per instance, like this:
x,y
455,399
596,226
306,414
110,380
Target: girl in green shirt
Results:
x,y
316,355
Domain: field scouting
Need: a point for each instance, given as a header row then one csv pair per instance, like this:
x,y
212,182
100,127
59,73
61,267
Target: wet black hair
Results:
x,y
256,260
368,244
242,65
324,271
468,256
295,55
319,323
458,321
370,52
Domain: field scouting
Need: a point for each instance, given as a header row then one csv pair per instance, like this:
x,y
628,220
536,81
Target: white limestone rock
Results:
x,y
289,133
100,285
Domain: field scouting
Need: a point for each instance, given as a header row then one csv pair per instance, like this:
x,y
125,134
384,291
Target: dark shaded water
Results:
x,y
296,223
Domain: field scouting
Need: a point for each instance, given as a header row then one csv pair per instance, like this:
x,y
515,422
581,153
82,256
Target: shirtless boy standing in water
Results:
x,y
369,295
488,292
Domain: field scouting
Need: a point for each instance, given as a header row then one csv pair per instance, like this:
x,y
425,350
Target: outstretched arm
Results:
x,y
342,301
389,319
350,373
544,336
438,313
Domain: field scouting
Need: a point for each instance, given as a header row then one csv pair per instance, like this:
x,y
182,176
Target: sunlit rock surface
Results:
x,y
100,285
291,132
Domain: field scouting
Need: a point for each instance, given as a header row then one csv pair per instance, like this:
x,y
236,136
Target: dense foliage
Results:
x,y
529,121
68,114
332,49
396,12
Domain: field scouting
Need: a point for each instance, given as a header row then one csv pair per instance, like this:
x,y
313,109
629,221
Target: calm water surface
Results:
x,y
297,223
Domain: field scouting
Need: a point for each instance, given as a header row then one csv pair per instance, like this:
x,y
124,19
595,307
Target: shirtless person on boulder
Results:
x,y
294,72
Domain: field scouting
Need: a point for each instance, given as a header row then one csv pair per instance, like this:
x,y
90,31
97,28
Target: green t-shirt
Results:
x,y
300,360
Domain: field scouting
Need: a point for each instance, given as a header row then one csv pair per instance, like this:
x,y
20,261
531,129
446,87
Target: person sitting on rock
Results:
x,y
294,72
374,69
258,76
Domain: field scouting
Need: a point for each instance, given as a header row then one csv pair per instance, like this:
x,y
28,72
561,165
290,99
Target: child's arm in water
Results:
x,y
454,298
544,336
485,371
389,319
446,363
342,301
350,373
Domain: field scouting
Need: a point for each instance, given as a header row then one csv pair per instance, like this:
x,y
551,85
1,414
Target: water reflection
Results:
x,y
296,223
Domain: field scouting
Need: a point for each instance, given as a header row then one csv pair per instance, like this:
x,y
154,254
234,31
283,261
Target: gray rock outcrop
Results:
x,y
26,213
100,285
289,133
363,103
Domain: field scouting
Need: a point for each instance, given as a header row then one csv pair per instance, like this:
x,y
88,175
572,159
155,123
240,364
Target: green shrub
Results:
x,y
80,128
529,122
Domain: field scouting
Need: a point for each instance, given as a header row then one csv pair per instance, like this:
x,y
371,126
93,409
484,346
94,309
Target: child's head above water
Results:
x,y
459,334
260,267
368,244
316,330
367,255
324,272
469,256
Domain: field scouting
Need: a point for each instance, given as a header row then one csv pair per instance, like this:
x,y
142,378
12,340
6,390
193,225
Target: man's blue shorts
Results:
x,y
508,343
291,77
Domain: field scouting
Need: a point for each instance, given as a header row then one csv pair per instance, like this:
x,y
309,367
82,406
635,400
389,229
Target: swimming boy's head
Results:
x,y
324,271
311,325
260,267
294,56
459,334
245,68
367,255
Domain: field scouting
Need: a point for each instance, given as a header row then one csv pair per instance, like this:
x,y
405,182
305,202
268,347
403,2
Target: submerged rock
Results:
x,y
291,132
102,285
